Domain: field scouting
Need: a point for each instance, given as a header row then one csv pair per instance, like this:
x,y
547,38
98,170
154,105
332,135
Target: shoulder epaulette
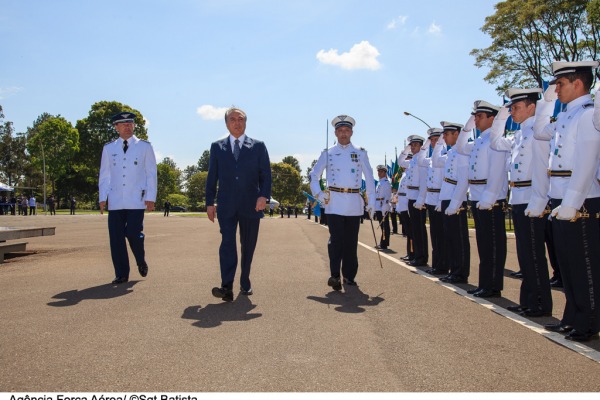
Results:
x,y
587,105
362,148
106,144
143,140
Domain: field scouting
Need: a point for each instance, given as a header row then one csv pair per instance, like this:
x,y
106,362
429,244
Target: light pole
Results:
x,y
44,171
414,116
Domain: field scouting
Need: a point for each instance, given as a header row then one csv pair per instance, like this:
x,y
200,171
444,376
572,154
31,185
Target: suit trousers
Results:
x,y
126,224
228,257
456,241
490,234
384,225
436,230
535,292
419,232
343,243
578,252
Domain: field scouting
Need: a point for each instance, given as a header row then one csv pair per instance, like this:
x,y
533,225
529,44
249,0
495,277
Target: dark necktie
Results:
x,y
125,146
236,149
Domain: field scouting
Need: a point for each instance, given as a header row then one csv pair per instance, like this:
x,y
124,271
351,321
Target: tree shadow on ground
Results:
x,y
352,300
102,292
213,315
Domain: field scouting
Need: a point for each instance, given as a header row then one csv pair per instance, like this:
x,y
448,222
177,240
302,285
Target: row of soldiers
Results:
x,y
551,166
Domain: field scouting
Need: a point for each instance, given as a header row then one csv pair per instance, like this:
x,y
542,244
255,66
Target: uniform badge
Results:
x,y
353,170
135,163
354,157
517,166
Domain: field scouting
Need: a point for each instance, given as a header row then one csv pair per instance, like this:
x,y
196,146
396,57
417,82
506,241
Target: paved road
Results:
x,y
65,329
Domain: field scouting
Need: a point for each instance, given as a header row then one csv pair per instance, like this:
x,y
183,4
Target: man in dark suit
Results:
x,y
242,169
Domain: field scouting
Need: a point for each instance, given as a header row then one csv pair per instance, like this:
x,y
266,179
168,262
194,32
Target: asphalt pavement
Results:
x,y
64,327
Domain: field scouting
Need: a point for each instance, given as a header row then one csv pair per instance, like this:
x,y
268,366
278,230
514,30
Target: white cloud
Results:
x,y
399,20
434,29
362,55
209,112
9,91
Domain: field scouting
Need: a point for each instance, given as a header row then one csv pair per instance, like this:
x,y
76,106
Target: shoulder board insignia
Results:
x,y
588,105
363,149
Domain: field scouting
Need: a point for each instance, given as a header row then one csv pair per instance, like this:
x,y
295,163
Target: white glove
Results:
x,y
418,206
564,213
321,196
407,149
550,94
426,145
438,208
470,124
503,114
484,206
451,210
371,211
534,212
441,141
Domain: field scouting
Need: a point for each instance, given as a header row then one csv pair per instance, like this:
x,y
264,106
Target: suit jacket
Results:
x,y
129,179
241,182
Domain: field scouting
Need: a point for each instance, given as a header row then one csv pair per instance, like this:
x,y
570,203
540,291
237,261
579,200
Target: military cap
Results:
x,y
381,167
484,106
515,95
451,126
124,116
433,132
416,138
343,120
561,68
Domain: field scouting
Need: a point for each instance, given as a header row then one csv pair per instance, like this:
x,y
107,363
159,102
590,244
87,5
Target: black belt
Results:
x,y
450,181
380,198
520,184
401,194
430,190
478,181
554,172
344,190
413,187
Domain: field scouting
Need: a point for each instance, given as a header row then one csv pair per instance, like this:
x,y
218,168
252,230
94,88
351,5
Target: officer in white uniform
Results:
x,y
128,184
435,175
488,186
535,298
453,204
575,197
345,164
383,196
402,211
416,183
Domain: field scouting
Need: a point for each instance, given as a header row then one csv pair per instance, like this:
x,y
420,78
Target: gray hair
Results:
x,y
235,109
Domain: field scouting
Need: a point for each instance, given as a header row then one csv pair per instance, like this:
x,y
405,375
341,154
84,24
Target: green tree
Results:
x,y
309,170
95,131
196,190
177,199
56,142
528,35
167,180
293,161
201,165
287,184
13,158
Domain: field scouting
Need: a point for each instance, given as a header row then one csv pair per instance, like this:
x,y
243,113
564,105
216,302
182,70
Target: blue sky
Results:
x,y
291,65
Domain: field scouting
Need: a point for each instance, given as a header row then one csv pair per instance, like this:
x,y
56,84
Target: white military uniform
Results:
x,y
484,164
346,165
455,175
383,195
416,176
402,204
435,177
127,180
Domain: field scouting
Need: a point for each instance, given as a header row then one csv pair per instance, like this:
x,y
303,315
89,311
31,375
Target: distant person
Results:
x,y
32,205
24,204
128,183
51,205
72,206
240,167
167,206
271,207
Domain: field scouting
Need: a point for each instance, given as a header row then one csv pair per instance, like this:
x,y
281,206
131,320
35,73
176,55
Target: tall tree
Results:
x,y
293,161
287,184
12,152
196,190
528,35
167,180
53,142
201,165
94,132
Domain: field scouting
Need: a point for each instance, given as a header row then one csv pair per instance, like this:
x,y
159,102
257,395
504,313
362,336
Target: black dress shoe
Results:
x,y
120,279
516,309
417,263
143,269
559,328
248,292
350,282
536,313
517,274
473,291
456,279
335,283
406,258
223,293
556,284
445,278
577,336
435,271
378,247
487,293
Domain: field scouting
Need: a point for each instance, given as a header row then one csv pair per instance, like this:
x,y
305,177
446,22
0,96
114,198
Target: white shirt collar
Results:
x,y
241,139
